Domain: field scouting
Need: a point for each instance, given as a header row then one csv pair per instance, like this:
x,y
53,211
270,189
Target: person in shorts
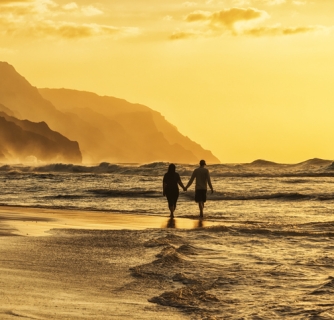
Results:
x,y
202,176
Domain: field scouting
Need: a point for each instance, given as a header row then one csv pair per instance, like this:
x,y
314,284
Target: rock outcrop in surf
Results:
x,y
23,140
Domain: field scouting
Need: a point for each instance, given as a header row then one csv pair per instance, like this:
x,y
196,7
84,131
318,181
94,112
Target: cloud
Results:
x,y
179,35
75,31
69,30
26,7
87,10
299,3
70,6
44,6
296,30
12,1
239,22
66,30
265,2
45,18
14,12
189,4
227,17
275,2
241,3
284,31
198,16
91,11
216,23
168,18
8,51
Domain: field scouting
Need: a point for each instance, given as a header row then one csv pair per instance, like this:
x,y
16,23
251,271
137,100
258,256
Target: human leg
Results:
x,y
200,198
171,209
175,198
170,203
201,207
172,197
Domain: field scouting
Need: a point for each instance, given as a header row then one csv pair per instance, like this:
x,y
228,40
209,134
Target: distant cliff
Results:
x,y
23,139
106,128
148,135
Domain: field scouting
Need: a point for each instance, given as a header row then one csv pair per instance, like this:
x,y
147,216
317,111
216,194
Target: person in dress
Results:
x,y
170,187
202,176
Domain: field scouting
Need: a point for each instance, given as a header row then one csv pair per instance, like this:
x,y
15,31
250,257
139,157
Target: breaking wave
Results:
x,y
283,196
125,193
258,168
217,196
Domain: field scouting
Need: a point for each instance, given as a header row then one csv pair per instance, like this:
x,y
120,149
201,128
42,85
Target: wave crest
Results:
x,y
258,168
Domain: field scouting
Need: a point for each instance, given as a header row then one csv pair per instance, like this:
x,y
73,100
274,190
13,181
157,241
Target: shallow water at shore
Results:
x,y
268,253
258,191
234,270
208,273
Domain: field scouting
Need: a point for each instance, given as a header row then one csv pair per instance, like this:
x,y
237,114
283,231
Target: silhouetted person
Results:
x,y
202,176
170,187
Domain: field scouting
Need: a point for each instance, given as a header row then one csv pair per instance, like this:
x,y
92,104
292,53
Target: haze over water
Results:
x,y
256,75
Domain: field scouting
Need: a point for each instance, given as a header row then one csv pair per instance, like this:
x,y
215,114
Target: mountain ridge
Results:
x,y
69,99
106,128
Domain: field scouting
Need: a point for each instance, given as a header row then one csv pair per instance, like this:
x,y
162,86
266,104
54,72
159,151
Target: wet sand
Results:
x,y
58,264
37,222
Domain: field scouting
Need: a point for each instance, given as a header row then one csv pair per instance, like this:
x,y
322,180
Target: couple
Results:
x,y
172,180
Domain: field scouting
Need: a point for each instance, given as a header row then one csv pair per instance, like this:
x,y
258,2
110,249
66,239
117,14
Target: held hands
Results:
x,y
184,189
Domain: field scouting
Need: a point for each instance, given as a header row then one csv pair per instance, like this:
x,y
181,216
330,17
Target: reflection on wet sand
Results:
x,y
186,223
38,222
171,223
199,223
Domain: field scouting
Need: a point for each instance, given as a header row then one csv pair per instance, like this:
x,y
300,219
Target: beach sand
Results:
x,y
58,264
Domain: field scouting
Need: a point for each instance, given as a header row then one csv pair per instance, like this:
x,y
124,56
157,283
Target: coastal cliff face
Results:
x,y
23,140
105,128
148,134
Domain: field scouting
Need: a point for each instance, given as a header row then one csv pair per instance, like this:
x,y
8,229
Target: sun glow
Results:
x,y
245,79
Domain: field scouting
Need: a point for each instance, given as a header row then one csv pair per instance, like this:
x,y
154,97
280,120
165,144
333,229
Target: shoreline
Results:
x,y
71,264
80,274
32,221
86,270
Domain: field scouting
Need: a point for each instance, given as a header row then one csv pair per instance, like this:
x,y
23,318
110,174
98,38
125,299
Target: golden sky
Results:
x,y
247,79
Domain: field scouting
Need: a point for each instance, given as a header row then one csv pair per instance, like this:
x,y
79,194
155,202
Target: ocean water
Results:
x,y
260,191
269,256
